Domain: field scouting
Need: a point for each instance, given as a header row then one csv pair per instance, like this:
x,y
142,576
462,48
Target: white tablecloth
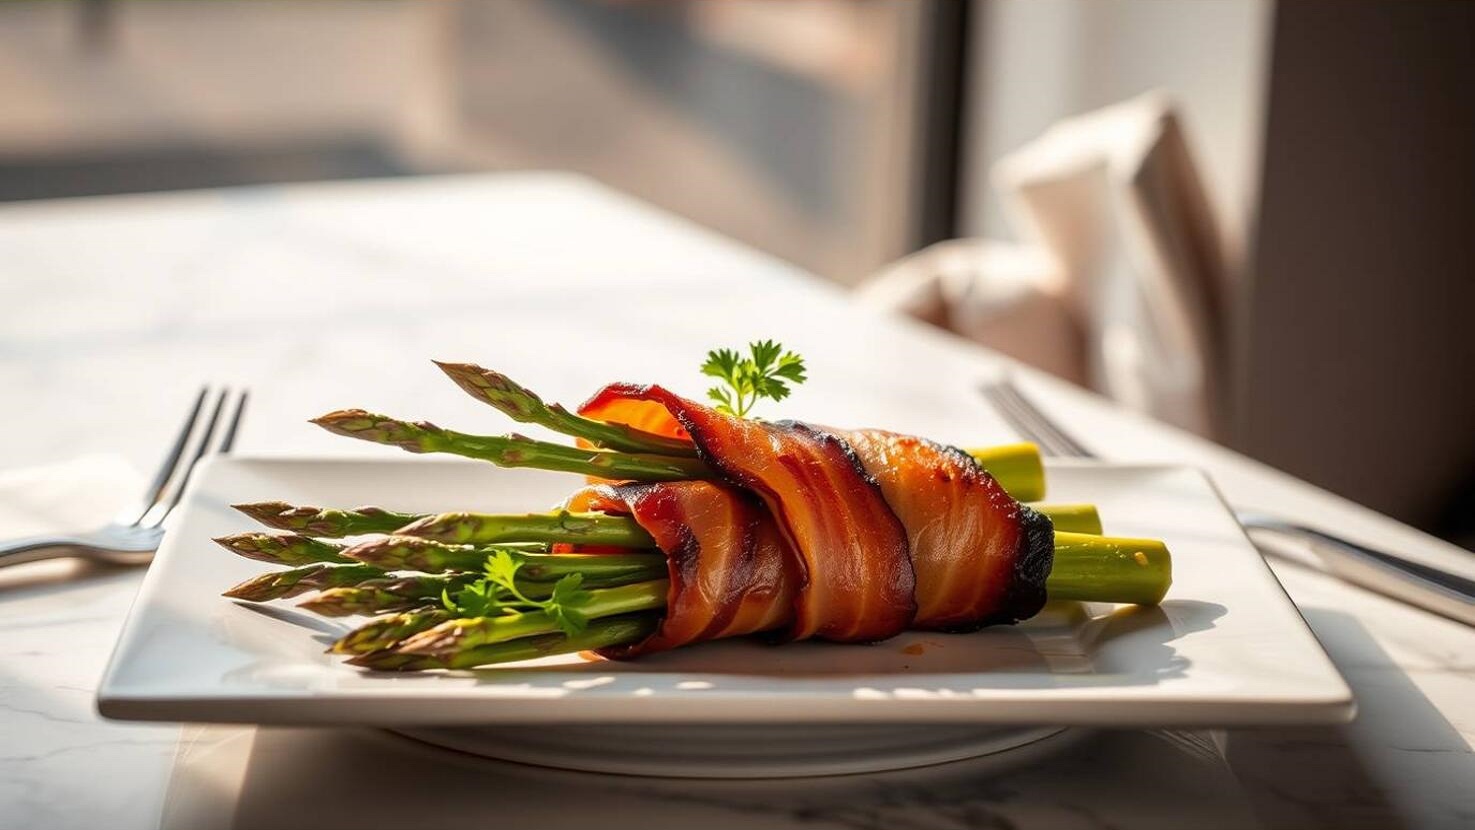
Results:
x,y
320,296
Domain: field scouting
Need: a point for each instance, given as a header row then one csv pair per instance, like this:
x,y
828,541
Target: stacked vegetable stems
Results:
x,y
460,590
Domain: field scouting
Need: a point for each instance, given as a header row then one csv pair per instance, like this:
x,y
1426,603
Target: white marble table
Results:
x,y
329,295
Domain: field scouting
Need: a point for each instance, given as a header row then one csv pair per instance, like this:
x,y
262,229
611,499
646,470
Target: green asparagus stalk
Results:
x,y
414,554
1109,569
609,631
524,406
446,541
378,596
282,548
510,450
407,553
318,521
1086,567
405,593
617,531
560,526
385,632
1016,467
315,577
1072,518
454,636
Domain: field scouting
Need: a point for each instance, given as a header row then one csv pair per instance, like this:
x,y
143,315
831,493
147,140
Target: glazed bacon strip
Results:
x,y
980,557
884,532
856,583
731,572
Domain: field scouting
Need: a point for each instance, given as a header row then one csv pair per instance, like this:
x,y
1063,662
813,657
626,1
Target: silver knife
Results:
x,y
1429,588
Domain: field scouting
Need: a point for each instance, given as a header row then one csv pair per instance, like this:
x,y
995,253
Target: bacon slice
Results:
x,y
980,557
887,531
731,571
857,583
622,403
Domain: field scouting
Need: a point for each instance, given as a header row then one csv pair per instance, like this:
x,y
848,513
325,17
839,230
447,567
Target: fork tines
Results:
x,y
202,434
1030,422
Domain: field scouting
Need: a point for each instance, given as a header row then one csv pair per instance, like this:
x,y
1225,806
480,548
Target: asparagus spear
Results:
x,y
282,548
452,636
1087,567
1072,518
378,596
510,450
1109,569
1017,463
410,553
315,577
384,632
405,593
560,526
318,521
522,405
1016,467
406,553
445,541
621,531
600,633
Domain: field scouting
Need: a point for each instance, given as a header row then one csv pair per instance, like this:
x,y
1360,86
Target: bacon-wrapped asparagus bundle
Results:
x,y
785,528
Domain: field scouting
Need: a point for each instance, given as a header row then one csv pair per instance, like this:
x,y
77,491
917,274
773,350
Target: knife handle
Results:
x,y
1430,588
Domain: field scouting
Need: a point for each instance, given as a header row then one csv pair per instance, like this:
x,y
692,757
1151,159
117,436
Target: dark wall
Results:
x,y
1359,371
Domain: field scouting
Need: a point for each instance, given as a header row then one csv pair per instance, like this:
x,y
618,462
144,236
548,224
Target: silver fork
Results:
x,y
132,537
1429,588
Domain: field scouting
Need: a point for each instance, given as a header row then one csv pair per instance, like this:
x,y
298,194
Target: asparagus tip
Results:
x,y
390,660
254,545
427,526
489,385
263,511
252,589
343,421
381,429
329,603
438,642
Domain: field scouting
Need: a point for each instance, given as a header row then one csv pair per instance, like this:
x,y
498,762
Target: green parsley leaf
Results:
x,y
478,599
722,363
501,569
497,592
570,620
568,592
767,372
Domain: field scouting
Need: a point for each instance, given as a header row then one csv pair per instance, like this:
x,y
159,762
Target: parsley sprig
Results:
x,y
765,373
497,592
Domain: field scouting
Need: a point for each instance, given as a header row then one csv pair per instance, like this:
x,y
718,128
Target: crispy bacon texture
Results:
x,y
731,572
856,582
980,557
882,532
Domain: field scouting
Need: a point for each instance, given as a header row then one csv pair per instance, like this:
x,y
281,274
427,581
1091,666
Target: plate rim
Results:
x,y
1333,703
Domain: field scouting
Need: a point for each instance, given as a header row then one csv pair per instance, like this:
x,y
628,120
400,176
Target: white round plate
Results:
x,y
752,751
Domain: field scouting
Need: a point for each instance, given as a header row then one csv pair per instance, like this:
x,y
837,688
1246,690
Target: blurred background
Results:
x,y
1248,218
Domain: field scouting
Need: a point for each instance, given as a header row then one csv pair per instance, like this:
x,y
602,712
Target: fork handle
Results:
x,y
36,548
1429,588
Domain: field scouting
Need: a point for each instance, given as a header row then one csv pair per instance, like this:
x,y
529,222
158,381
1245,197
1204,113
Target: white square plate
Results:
x,y
1226,648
